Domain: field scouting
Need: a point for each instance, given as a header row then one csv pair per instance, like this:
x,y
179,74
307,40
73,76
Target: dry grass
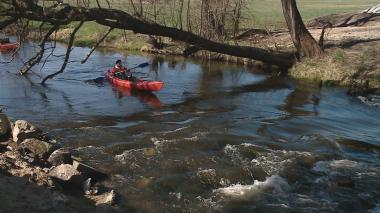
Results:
x,y
359,64
331,67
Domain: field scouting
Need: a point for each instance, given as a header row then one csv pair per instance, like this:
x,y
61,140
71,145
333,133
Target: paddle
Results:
x,y
139,66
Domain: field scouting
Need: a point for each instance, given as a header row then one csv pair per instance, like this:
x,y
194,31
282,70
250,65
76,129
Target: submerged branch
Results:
x,y
67,55
38,57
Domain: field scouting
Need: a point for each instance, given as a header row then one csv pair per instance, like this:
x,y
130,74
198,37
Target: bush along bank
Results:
x,y
26,153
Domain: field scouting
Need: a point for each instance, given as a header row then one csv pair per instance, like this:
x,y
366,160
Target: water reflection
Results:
x,y
301,96
144,96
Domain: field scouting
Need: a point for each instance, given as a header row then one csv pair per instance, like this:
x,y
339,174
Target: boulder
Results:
x,y
38,148
23,130
5,127
60,156
66,173
89,171
107,198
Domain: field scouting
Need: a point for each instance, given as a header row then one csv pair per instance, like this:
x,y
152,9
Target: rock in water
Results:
x,y
5,127
88,171
107,198
60,156
23,130
67,174
40,149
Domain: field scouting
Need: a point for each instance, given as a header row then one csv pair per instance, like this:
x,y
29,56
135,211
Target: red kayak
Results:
x,y
9,46
138,85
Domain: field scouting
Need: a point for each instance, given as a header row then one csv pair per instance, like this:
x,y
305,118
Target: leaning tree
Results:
x,y
55,15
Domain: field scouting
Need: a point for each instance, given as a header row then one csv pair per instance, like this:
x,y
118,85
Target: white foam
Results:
x,y
276,184
175,130
371,101
158,142
185,121
176,195
277,160
327,166
129,155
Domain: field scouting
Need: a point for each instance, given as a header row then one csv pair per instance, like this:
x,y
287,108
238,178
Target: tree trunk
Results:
x,y
306,45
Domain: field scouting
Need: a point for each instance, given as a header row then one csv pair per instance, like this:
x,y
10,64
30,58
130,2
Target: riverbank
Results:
x,y
351,53
343,45
351,59
37,175
357,67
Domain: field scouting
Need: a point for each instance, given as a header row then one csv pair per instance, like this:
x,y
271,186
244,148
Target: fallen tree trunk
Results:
x,y
65,14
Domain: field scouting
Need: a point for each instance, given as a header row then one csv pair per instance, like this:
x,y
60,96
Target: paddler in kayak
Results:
x,y
119,71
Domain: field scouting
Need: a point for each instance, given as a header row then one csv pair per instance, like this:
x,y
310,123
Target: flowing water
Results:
x,y
217,138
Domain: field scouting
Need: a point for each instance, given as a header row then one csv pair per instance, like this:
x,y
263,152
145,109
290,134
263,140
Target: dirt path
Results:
x,y
369,31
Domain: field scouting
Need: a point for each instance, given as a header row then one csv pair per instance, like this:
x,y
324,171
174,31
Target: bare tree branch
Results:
x,y
37,58
54,45
67,56
96,45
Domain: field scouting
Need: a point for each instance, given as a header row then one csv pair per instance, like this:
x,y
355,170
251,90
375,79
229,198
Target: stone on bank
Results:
x,y
66,173
23,130
38,148
60,156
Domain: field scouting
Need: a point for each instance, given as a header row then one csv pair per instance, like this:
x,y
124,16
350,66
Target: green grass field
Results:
x,y
269,12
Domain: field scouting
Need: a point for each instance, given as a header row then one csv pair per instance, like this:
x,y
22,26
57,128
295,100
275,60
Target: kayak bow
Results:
x,y
9,46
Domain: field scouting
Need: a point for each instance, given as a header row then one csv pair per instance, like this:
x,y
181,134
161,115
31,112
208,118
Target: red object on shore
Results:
x,y
139,85
9,46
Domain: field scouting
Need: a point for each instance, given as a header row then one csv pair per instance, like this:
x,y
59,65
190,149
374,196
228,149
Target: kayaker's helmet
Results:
x,y
118,62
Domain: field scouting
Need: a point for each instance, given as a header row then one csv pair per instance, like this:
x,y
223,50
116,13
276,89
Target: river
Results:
x,y
218,138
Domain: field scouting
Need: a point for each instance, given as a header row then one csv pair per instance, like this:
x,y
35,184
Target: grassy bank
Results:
x,y
357,66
